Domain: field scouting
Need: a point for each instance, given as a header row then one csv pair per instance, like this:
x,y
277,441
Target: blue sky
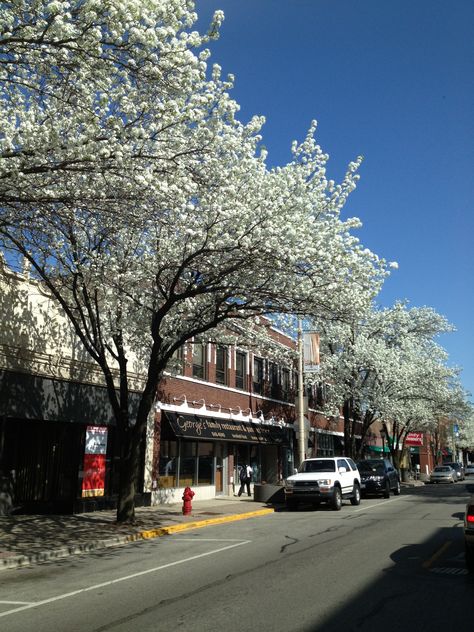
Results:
x,y
392,81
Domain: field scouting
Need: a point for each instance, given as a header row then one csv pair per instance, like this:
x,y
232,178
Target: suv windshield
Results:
x,y
318,465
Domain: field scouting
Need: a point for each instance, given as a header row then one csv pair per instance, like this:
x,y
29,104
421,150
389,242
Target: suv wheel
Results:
x,y
355,500
336,502
396,491
386,491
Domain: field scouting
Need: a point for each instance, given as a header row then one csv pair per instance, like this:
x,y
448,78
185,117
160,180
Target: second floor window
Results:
x,y
199,361
275,390
221,365
258,375
285,384
240,370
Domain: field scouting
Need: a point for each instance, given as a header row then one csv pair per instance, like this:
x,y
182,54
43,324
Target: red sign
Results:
x,y
414,438
93,482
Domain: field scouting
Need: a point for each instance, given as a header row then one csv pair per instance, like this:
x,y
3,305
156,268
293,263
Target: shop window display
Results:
x,y
168,467
187,464
205,464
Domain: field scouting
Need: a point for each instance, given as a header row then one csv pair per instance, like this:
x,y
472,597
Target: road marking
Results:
x,y
197,539
438,553
382,502
449,571
36,604
18,602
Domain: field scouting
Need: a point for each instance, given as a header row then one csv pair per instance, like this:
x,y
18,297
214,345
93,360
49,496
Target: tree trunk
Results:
x,y
130,440
129,474
348,434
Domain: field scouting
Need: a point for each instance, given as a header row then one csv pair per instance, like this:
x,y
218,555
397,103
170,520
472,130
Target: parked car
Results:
x,y
443,474
378,476
326,479
469,469
469,534
458,468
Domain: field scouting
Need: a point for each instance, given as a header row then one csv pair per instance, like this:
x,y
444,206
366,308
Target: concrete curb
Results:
x,y
19,561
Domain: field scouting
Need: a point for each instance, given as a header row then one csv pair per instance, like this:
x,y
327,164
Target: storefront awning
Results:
x,y
215,429
378,448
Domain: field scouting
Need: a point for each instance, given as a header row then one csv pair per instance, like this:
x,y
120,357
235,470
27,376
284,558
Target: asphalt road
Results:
x,y
385,565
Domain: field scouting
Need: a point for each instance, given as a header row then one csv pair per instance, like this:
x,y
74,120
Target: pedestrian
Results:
x,y
245,478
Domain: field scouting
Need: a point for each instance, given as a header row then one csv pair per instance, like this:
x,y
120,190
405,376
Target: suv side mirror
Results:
x,y
295,470
342,470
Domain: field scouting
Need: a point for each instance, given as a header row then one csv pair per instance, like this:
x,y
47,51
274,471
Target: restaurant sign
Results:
x,y
414,438
210,428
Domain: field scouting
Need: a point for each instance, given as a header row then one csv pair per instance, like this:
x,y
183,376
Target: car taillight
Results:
x,y
470,515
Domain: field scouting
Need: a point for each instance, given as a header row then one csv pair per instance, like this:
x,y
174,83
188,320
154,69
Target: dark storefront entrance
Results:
x,y
44,425
42,460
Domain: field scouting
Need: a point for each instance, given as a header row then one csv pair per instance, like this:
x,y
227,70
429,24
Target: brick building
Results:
x,y
218,408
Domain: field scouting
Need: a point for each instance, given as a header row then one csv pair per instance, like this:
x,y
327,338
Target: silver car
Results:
x,y
458,468
443,474
469,469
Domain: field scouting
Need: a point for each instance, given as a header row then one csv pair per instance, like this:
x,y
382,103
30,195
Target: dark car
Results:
x,y
458,468
469,534
378,476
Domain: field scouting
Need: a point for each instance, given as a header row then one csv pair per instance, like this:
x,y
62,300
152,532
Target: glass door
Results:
x,y
219,477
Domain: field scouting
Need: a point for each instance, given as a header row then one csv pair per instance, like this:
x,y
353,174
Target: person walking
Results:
x,y
245,479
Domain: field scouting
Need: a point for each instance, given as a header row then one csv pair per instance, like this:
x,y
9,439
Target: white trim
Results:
x,y
231,389
327,432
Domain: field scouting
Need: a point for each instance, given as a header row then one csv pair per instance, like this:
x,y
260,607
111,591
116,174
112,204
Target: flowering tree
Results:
x,y
386,367
142,203
466,431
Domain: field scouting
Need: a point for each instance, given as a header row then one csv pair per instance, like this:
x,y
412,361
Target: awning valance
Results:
x,y
215,429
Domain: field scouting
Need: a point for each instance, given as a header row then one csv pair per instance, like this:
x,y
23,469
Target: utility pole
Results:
x,y
453,436
301,424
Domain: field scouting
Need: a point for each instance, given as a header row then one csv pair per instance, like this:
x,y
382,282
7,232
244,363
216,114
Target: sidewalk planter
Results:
x,y
268,493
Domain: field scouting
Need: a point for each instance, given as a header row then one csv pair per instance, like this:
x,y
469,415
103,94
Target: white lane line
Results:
x,y
177,538
120,579
17,602
382,502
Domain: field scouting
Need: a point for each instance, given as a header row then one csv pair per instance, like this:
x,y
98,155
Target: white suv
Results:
x,y
324,480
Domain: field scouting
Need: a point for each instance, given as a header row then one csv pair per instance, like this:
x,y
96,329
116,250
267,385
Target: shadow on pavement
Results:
x,y
426,588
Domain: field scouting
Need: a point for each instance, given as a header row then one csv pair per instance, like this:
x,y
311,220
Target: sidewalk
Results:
x,y
32,539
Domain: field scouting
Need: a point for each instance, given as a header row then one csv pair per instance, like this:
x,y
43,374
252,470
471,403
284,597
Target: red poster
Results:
x,y
93,482
414,438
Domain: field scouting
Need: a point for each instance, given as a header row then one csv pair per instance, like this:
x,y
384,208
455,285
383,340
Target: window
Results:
x,y
352,464
168,466
240,373
325,445
275,390
343,463
187,464
221,365
285,384
199,361
258,375
321,395
205,463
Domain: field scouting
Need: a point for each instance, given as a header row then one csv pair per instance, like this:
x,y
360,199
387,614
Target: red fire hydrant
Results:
x,y
187,498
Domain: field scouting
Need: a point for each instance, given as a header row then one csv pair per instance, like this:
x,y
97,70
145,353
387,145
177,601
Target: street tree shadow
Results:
x,y
426,588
